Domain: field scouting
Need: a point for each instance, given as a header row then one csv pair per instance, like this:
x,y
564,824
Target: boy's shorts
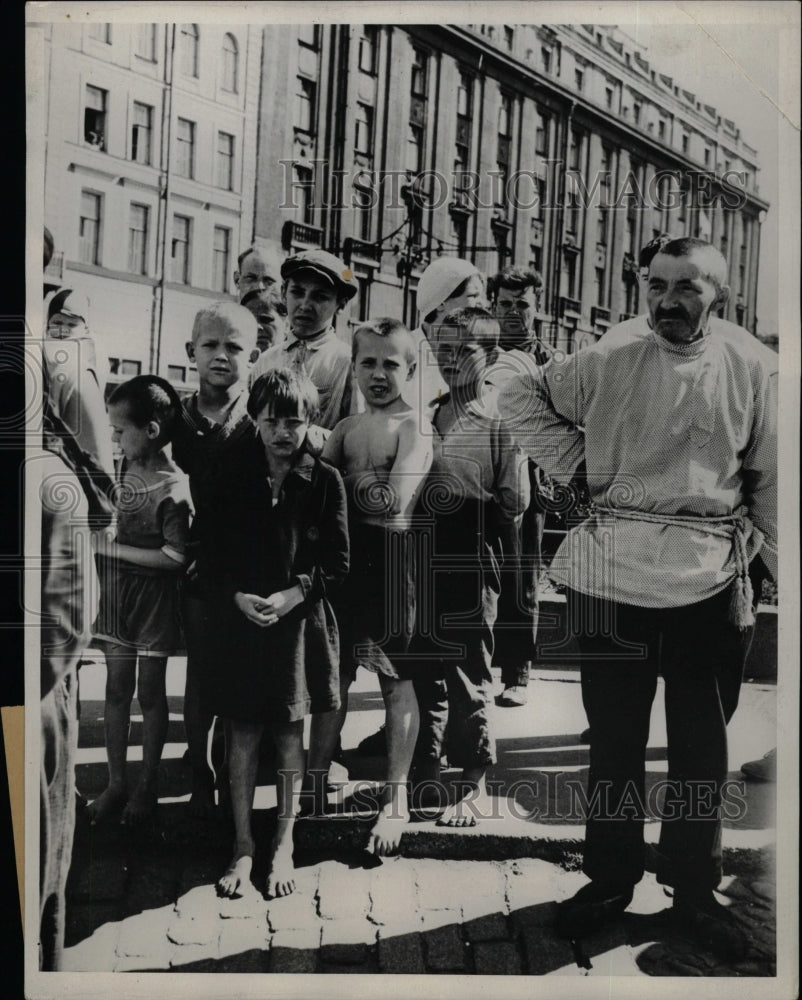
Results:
x,y
376,606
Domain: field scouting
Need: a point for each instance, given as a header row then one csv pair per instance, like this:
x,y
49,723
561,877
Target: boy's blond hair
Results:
x,y
229,314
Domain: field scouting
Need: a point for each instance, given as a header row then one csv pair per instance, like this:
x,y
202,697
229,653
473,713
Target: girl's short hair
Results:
x,y
477,324
287,392
146,398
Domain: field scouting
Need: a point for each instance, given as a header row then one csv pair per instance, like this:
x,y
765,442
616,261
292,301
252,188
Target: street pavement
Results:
x,y
475,901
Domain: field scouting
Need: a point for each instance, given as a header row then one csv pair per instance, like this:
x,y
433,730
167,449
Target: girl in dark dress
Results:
x,y
281,552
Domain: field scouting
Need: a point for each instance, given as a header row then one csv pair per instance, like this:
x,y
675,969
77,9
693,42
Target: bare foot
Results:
x,y
107,804
281,878
236,879
386,833
470,805
141,806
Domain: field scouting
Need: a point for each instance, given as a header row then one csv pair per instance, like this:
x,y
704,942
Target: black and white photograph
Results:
x,y
411,499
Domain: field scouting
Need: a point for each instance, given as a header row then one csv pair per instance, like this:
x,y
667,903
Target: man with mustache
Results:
x,y
676,421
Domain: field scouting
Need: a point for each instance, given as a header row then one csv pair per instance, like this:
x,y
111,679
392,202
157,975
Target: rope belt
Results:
x,y
731,526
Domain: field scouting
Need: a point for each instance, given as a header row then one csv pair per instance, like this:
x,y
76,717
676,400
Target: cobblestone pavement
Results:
x,y
147,902
471,902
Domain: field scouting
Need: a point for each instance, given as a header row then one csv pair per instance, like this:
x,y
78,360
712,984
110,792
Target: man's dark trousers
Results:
x,y
701,657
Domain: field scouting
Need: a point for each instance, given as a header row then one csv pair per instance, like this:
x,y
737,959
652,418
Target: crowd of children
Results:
x,y
318,512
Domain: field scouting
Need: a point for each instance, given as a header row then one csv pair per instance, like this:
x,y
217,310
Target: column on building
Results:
x,y
733,263
754,257
590,258
619,247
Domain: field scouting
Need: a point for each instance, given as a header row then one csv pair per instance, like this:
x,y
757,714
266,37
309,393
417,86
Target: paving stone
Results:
x,y
200,930
400,953
296,911
295,951
392,891
367,968
146,934
497,958
243,935
430,920
343,892
527,883
441,885
350,931
251,905
479,907
198,902
194,954
96,953
102,879
445,949
157,962
252,961
543,952
492,927
618,961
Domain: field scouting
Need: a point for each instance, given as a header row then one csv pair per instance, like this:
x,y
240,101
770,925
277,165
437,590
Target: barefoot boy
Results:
x,y
214,430
484,474
384,456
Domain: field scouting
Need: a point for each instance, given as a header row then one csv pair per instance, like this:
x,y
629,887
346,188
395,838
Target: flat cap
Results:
x,y
325,264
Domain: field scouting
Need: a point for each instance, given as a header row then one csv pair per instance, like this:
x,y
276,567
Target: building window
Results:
x,y
230,63
707,156
180,250
661,129
598,280
464,128
177,373
189,45
124,366
608,97
221,253
415,149
95,117
509,37
369,49
363,140
305,105
542,135
686,143
601,234
89,228
141,133
420,72
573,213
545,55
309,36
138,239
363,206
101,32
575,150
145,42
304,192
570,274
363,296
579,78
185,148
225,161
503,145
636,109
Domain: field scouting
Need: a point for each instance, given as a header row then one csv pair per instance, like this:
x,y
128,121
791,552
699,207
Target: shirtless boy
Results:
x,y
383,455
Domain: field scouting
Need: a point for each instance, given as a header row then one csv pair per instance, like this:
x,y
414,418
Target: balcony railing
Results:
x,y
570,307
599,316
366,253
299,236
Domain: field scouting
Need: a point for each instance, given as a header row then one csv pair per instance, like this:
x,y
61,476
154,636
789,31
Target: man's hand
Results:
x,y
255,609
283,601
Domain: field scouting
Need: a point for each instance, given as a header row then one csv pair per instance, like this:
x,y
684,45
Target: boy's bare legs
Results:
x,y
289,737
471,801
402,721
324,732
120,685
197,721
152,698
243,761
